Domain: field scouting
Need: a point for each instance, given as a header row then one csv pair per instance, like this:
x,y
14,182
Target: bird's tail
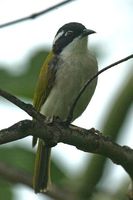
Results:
x,y
41,177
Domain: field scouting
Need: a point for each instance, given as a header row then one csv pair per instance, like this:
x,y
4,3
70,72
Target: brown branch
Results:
x,y
70,115
16,175
35,15
85,140
28,108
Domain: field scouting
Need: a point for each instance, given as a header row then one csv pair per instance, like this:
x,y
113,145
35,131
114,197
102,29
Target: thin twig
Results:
x,y
70,115
28,108
35,15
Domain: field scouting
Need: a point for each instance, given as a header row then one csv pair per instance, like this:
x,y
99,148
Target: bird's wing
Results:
x,y
45,81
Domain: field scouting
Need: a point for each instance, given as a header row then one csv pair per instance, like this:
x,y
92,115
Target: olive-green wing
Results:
x,y
45,82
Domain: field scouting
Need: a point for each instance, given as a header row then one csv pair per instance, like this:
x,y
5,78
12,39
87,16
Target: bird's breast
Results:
x,y
71,75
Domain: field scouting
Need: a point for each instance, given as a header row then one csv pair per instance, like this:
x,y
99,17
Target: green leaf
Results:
x,y
24,83
17,156
5,190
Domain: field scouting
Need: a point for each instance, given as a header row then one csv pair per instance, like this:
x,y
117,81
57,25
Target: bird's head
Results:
x,y
71,36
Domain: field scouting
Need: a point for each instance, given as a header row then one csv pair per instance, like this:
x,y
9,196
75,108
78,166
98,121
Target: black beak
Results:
x,y
87,32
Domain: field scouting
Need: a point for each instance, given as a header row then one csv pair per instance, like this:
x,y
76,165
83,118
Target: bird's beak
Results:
x,y
87,32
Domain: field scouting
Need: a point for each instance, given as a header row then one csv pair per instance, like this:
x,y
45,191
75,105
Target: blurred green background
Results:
x,y
88,182
93,180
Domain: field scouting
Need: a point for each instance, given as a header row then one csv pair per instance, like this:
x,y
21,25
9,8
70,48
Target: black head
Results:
x,y
67,33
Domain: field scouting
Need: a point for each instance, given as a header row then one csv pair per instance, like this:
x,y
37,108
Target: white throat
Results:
x,y
77,46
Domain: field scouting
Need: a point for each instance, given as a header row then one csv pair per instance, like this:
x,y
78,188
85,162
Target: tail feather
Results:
x,y
41,176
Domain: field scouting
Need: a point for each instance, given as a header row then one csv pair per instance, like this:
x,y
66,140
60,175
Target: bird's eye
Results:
x,y
68,33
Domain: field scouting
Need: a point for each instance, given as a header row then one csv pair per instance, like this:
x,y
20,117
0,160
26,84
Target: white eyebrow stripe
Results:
x,y
58,36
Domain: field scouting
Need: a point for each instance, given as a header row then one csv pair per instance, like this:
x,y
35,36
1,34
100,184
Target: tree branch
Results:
x,y
70,115
35,15
85,140
28,108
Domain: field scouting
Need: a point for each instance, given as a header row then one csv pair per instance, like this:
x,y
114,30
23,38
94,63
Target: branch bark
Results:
x,y
35,15
82,139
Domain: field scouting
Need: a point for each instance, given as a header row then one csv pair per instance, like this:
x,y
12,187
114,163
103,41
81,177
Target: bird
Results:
x,y
69,64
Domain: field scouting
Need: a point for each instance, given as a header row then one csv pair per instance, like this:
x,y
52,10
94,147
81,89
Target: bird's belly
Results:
x,y
66,88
